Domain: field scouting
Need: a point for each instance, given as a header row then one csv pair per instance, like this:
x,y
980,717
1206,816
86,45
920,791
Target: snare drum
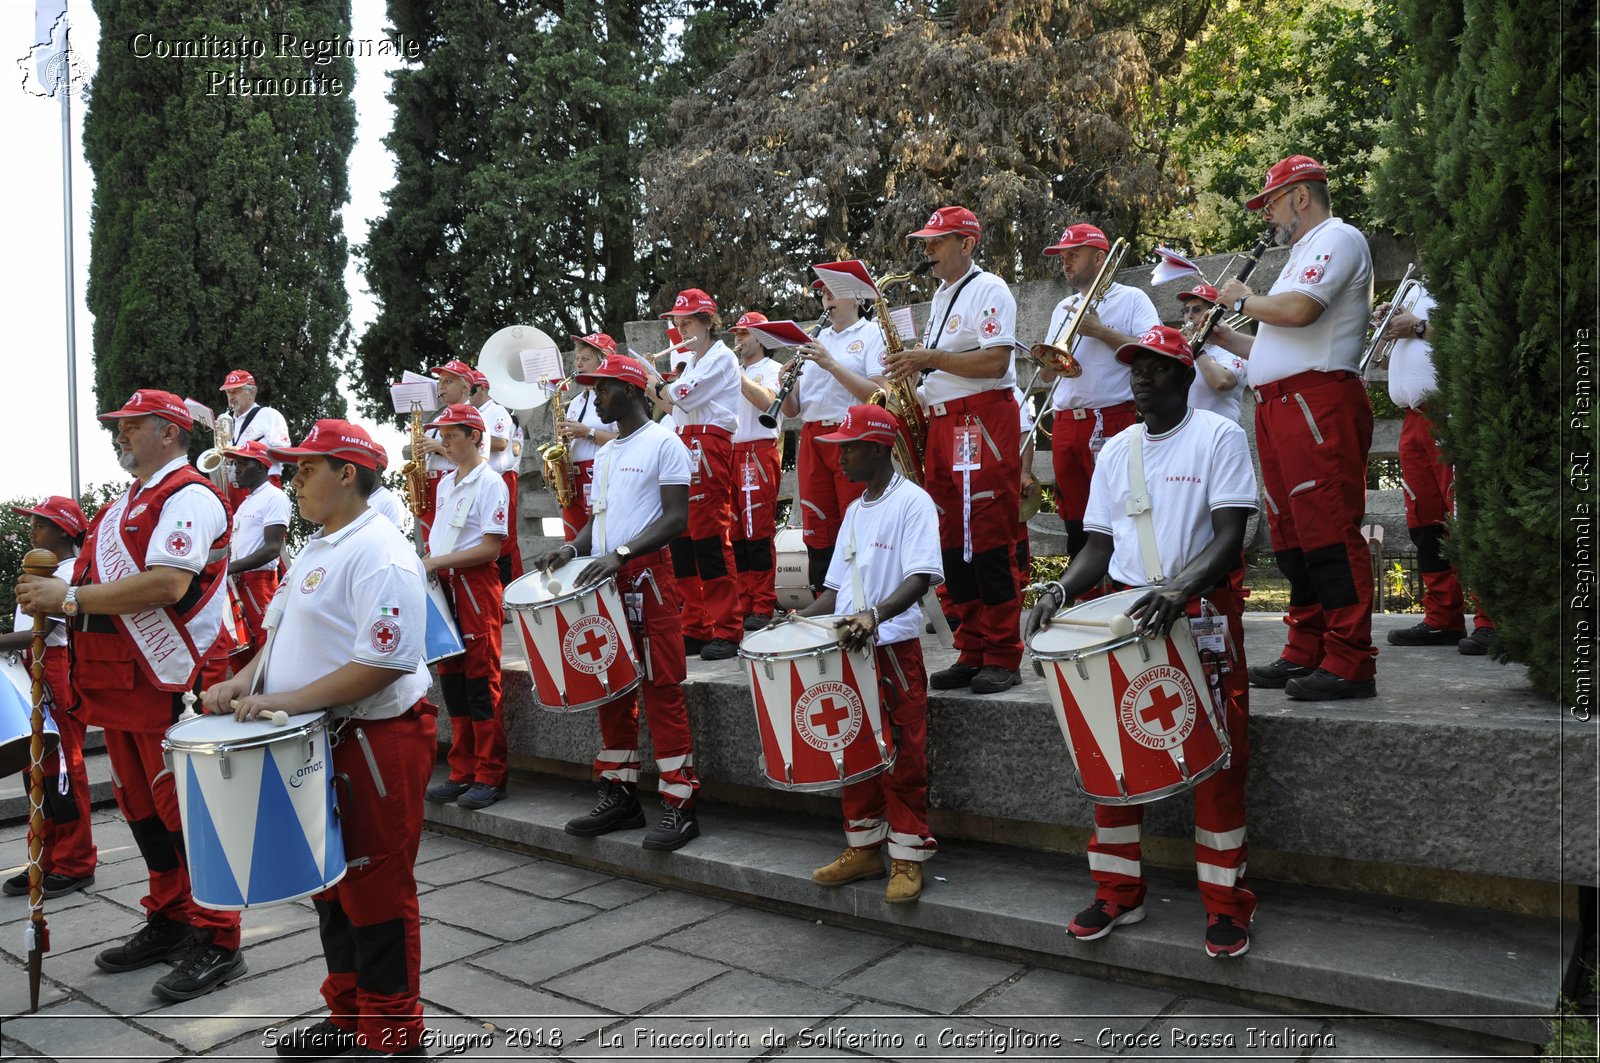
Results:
x,y
817,707
440,639
1136,711
792,581
260,824
577,641
16,717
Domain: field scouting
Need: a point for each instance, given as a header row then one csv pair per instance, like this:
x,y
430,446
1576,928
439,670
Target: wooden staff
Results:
x,y
37,935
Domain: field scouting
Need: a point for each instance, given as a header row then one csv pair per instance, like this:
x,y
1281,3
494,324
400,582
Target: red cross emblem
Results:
x,y
991,327
385,636
829,714
592,645
1157,708
1163,709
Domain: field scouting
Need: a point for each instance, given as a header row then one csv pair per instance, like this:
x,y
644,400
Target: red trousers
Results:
x,y
1072,457
471,682
824,491
651,601
702,560
1313,432
756,471
67,842
510,546
1429,483
893,805
575,516
1219,810
369,922
255,590
979,507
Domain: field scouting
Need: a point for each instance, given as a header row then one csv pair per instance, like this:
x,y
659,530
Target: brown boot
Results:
x,y
905,882
851,866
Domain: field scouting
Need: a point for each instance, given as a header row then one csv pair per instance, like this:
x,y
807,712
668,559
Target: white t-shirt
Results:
x,y
497,419
633,470
384,501
191,520
266,506
268,426
1199,466
1203,396
584,412
440,464
355,595
1332,265
484,496
1412,375
1026,418
58,633
765,371
708,390
984,314
1105,381
895,536
858,346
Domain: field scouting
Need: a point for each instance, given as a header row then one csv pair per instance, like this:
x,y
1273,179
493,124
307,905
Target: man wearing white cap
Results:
x,y
253,422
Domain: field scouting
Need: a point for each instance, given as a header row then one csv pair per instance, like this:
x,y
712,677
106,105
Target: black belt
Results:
x,y
94,625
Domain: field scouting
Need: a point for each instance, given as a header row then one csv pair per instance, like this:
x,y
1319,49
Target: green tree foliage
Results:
x,y
217,240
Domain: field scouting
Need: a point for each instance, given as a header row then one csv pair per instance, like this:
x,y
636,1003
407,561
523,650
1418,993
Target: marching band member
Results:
x,y
1313,432
1091,408
503,462
757,467
704,401
253,423
348,631
973,465
583,431
1220,375
260,526
891,556
641,504
455,385
463,546
66,854
849,353
1201,489
144,610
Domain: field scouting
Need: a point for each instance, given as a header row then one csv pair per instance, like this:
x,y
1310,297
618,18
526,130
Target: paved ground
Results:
x,y
530,958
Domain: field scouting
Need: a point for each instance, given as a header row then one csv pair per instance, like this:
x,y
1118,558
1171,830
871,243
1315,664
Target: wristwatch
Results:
x,y
1420,328
623,552
591,434
69,606
1238,307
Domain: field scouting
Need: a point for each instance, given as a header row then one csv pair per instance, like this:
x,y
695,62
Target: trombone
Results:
x,y
1057,354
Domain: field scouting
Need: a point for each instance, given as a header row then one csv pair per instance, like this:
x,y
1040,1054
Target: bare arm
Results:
x,y
155,588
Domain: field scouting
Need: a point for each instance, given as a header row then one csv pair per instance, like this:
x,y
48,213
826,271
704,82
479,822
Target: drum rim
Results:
x,y
315,721
589,706
1092,650
810,651
1170,790
561,599
832,784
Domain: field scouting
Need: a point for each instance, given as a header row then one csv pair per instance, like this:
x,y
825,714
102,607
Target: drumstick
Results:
x,y
1120,625
277,717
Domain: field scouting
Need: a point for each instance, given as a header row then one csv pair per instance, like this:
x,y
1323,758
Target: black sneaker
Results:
x,y
1483,642
992,679
156,941
321,1040
719,650
1323,685
954,678
618,810
1225,938
1423,635
677,827
481,795
55,885
449,790
757,621
1101,918
693,646
207,967
1275,675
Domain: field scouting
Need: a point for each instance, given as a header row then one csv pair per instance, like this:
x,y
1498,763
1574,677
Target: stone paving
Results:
x,y
528,958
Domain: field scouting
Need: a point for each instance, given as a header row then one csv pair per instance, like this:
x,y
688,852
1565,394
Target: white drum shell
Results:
x,y
16,718
573,674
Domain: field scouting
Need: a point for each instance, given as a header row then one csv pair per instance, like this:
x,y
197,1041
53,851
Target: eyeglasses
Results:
x,y
1275,200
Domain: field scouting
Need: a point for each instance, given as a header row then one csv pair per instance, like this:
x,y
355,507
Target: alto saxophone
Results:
x,y
414,470
900,397
557,456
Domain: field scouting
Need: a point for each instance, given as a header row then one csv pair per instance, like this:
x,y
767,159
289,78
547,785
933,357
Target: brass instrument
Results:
x,y
1056,354
900,397
789,381
557,456
1214,315
211,462
1378,348
415,469
1190,331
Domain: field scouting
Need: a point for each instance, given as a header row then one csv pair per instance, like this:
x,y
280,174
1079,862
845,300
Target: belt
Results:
x,y
1310,378
1083,413
96,624
705,430
944,409
824,424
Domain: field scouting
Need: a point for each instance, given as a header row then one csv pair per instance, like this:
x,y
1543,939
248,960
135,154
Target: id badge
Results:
x,y
588,494
696,453
968,456
1210,635
633,605
751,479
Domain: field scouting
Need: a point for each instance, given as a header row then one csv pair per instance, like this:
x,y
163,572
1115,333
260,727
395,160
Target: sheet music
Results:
x,y
848,279
905,324
423,391
201,412
541,363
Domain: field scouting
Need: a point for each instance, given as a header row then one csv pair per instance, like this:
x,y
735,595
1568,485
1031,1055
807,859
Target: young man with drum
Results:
x,y
260,525
469,523
1201,488
757,467
347,630
641,504
888,556
583,431
144,613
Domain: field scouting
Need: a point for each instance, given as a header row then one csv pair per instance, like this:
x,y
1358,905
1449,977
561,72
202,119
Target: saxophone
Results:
x,y
414,470
900,397
557,456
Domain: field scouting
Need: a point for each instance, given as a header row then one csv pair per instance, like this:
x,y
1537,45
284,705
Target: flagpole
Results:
x,y
64,87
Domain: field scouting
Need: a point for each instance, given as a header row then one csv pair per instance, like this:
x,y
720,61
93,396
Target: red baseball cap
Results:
x,y
254,449
340,439
59,510
456,367
600,342
1162,340
1202,291
464,414
750,317
691,301
239,378
618,367
1079,236
163,404
958,220
478,379
865,424
1293,170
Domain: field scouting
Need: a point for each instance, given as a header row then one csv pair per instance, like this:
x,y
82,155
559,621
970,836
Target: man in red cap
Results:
x,y
260,527
1313,432
1201,489
704,400
455,386
66,853
253,423
972,466
757,467
1096,405
144,609
583,431
463,545
347,637
890,558
641,504
1220,375
503,458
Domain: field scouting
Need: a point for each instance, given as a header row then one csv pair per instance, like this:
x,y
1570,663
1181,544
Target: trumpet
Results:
x,y
1378,348
1057,354
791,379
210,462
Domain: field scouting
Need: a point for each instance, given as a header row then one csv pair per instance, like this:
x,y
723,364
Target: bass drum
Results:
x,y
792,580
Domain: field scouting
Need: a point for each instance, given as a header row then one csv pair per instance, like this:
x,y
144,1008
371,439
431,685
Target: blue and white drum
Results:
x,y
440,639
16,718
260,823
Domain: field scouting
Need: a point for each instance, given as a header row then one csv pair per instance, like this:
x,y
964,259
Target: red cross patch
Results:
x,y
1312,273
991,327
500,515
385,635
178,544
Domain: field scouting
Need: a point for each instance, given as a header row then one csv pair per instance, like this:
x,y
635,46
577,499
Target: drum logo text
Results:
x,y
590,645
828,716
1158,708
304,772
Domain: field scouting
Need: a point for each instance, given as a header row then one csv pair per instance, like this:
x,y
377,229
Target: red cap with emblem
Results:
x,y
1162,340
600,342
59,510
455,367
1204,292
337,438
239,378
462,414
618,367
957,220
147,401
478,379
255,449
1079,236
865,424
1293,170
691,301
750,317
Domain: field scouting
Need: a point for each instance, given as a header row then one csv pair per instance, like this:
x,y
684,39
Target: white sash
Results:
x,y
597,503
457,520
1139,508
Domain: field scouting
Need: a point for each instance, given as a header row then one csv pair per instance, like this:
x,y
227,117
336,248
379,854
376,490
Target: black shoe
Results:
x,y
719,650
156,941
482,795
1225,938
618,810
954,678
757,621
449,790
677,827
1101,918
55,885
693,646
321,1040
1323,685
1423,635
207,967
1483,642
992,680
1275,675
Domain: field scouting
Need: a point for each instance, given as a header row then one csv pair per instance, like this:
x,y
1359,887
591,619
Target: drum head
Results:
x,y
796,636
534,587
1066,638
215,732
16,718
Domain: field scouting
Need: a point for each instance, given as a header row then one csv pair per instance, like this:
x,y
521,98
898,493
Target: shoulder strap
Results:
x,y
1139,507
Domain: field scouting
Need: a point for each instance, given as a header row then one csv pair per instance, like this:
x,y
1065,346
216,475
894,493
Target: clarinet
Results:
x,y
791,377
1215,314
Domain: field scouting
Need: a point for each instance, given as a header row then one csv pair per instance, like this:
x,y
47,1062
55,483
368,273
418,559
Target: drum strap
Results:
x,y
1139,508
458,517
930,601
597,505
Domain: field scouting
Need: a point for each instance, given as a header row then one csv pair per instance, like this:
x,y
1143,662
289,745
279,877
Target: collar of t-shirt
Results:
x,y
476,469
1314,229
335,538
160,474
859,322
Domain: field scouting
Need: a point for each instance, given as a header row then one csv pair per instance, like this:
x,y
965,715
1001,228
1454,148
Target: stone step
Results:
x,y
14,788
1485,978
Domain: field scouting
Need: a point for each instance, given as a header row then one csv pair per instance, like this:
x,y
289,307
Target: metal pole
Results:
x,y
64,88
